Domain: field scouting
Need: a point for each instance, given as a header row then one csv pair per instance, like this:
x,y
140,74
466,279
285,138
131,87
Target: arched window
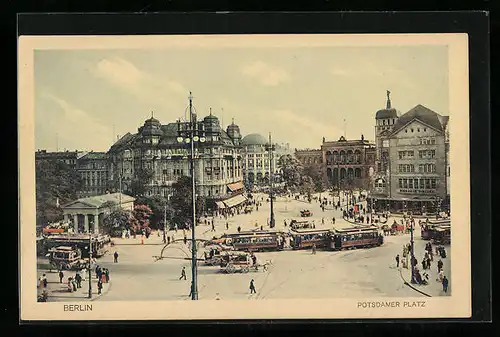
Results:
x,y
357,172
342,156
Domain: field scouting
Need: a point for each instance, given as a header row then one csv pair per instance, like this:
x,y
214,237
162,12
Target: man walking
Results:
x,y
252,287
99,287
183,273
397,261
61,276
213,227
116,256
445,284
78,279
440,265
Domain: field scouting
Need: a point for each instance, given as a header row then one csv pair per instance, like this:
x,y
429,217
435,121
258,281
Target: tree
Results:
x,y
140,183
317,174
291,169
140,219
116,221
55,181
157,205
182,204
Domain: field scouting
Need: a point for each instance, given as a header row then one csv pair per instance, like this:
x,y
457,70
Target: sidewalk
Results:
x,y
58,292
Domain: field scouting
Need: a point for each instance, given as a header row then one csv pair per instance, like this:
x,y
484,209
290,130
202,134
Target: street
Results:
x,y
293,274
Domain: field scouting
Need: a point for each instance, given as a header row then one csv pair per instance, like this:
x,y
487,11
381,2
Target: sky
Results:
x,y
85,99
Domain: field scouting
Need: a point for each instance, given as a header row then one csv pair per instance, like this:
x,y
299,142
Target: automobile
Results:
x,y
305,213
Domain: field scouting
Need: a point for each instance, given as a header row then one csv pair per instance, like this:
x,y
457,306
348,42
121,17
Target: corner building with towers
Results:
x,y
218,161
412,161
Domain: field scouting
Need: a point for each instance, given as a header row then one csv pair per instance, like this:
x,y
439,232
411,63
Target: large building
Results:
x,y
92,167
93,170
256,159
218,161
412,165
349,163
309,156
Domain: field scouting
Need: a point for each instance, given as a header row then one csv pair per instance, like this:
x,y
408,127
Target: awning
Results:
x,y
235,186
220,204
234,201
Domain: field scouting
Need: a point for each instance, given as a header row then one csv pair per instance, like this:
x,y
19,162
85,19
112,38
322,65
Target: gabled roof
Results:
x,y
98,200
422,114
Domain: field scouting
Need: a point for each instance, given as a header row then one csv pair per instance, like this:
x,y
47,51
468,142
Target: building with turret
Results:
x,y
412,163
155,148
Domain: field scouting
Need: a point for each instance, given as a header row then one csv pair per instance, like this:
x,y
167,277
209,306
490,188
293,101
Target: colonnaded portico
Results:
x,y
86,214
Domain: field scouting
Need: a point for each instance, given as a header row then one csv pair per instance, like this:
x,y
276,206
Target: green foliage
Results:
x,y
54,180
291,170
116,220
182,201
140,184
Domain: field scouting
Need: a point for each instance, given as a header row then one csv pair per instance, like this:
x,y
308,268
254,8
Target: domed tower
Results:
x,y
151,131
233,131
211,123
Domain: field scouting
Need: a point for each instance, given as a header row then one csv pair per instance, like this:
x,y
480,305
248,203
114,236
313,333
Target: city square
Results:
x,y
131,218
366,273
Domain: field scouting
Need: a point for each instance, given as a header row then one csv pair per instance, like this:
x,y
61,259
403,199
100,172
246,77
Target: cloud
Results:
x,y
376,73
144,86
266,74
73,124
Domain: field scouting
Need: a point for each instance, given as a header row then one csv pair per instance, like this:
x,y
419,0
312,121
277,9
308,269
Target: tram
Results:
x,y
355,237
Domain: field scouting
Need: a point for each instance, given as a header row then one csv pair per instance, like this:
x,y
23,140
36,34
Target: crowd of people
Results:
x,y
422,278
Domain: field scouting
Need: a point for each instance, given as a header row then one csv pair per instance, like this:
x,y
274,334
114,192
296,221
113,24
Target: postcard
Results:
x,y
175,177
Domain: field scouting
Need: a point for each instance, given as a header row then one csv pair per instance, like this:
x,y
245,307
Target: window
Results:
x,y
415,183
405,183
425,129
418,129
421,185
411,130
433,183
400,183
427,183
406,131
410,153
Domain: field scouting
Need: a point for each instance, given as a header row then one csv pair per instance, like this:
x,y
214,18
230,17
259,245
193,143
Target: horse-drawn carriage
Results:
x,y
237,261
213,254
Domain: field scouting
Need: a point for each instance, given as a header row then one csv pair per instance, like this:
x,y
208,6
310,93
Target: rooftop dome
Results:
x,y
254,139
389,111
151,127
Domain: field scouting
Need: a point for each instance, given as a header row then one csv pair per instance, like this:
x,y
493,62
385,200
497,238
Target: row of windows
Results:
x,y
426,154
406,154
406,168
413,130
99,174
418,183
427,141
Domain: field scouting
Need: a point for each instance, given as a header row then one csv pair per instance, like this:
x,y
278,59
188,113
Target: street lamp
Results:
x,y
190,135
412,251
90,264
270,148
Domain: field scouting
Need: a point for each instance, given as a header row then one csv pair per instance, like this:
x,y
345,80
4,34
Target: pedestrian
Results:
x,y
99,287
115,255
103,275
183,273
78,279
445,284
322,221
185,239
168,240
106,273
440,265
191,291
61,276
397,261
44,281
239,229
314,249
333,220
98,272
440,276
213,227
252,287
69,286
73,283
424,264
227,225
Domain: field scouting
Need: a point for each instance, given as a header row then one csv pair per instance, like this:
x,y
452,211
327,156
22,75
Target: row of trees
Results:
x,y
305,179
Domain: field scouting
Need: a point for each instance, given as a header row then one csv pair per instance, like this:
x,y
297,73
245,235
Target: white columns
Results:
x,y
86,222
96,223
75,222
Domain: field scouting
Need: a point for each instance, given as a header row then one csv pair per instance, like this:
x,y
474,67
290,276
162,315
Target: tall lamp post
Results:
x,y
412,250
270,148
190,135
90,264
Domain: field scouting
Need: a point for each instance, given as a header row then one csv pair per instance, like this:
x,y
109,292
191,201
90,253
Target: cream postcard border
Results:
x,y
457,305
